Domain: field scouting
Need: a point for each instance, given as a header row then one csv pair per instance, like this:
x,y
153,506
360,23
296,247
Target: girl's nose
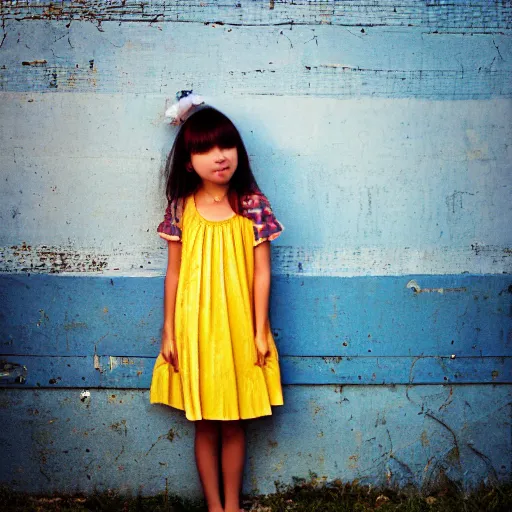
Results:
x,y
219,155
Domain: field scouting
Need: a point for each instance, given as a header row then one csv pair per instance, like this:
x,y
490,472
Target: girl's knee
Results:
x,y
207,427
232,428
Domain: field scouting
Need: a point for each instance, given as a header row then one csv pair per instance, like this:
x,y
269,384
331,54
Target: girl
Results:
x,y
218,360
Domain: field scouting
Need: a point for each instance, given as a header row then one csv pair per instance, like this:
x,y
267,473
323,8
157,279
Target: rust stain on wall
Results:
x,y
353,461
34,62
120,427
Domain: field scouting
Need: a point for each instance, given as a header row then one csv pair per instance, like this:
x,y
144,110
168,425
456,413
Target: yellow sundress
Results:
x,y
214,327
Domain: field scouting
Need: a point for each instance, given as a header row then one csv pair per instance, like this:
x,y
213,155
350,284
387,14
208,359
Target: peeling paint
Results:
x,y
43,318
49,259
97,364
412,284
333,360
440,18
85,396
115,362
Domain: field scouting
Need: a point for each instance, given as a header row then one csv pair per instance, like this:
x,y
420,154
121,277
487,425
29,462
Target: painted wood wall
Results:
x,y
381,133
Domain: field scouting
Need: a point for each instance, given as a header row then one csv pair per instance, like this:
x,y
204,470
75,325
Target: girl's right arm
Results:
x,y
169,348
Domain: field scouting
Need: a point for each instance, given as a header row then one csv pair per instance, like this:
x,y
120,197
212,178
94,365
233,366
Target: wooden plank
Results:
x,y
459,15
121,372
304,61
394,370
384,435
311,316
53,371
398,183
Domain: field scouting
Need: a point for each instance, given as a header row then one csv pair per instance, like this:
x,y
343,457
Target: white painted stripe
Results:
x,y
364,186
292,261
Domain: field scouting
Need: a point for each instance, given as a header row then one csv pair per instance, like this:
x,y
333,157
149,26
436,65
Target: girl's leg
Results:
x,y
207,460
233,455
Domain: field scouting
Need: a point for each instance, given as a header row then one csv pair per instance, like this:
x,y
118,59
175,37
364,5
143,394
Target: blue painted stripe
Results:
x,y
118,372
384,435
463,315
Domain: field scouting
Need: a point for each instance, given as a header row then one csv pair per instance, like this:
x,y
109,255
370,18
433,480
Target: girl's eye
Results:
x,y
204,152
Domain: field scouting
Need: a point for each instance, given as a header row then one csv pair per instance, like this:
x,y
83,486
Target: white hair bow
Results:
x,y
179,111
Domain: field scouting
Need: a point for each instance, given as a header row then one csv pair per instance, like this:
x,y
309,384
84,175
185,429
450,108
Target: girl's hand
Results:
x,y
262,349
169,350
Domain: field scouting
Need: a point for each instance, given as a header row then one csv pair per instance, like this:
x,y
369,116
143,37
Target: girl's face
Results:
x,y
216,165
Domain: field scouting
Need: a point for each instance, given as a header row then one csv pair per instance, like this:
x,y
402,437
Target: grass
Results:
x,y
315,496
307,496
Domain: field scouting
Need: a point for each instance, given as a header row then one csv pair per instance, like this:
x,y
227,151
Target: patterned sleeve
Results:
x,y
257,208
170,228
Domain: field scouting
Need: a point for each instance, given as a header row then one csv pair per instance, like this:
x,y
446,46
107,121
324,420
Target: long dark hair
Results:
x,y
201,132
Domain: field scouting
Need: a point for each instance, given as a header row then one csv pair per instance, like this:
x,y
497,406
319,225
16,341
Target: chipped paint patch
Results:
x,y
415,287
115,362
50,259
43,318
365,261
85,397
40,62
96,363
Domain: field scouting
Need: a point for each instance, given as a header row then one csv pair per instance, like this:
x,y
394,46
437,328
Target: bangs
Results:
x,y
208,128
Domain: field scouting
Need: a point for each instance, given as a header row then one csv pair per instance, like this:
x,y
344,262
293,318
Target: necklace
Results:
x,y
216,198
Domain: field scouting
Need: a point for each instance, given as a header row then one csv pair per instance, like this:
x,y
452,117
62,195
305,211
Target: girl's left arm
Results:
x,y
261,298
